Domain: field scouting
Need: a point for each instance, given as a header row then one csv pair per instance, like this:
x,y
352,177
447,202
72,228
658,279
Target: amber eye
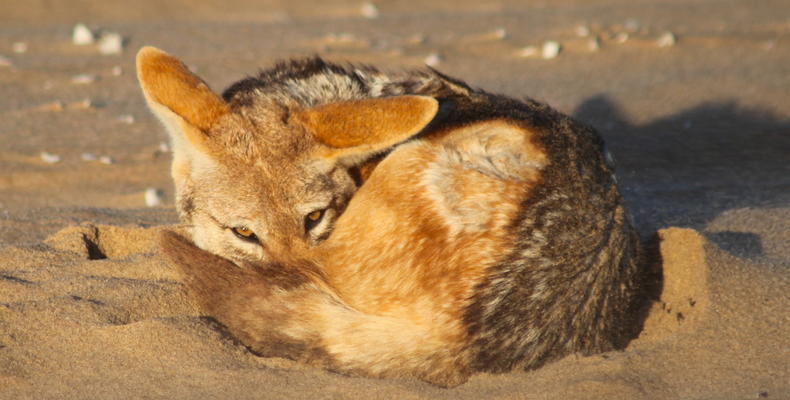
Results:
x,y
242,232
312,219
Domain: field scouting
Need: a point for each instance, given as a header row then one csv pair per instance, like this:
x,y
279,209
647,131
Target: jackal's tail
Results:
x,y
290,311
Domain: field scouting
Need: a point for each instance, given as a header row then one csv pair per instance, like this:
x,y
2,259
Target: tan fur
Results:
x,y
363,122
395,299
169,82
310,153
487,237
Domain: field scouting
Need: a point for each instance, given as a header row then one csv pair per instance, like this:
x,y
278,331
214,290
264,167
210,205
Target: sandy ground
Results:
x,y
701,132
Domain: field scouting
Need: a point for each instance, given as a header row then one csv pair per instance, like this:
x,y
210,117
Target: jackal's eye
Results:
x,y
312,219
244,233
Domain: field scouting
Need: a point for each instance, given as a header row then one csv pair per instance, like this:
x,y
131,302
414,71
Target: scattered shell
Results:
x,y
499,34
369,10
19,47
433,60
529,51
83,79
81,105
111,43
81,35
89,157
117,70
594,44
632,25
582,30
56,105
5,62
621,37
668,39
164,147
551,49
126,119
153,197
106,160
49,158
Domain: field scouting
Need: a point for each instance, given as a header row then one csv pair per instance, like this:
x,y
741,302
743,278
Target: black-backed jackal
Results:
x,y
394,225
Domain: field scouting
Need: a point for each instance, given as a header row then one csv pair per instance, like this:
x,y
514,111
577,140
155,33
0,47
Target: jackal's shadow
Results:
x,y
687,168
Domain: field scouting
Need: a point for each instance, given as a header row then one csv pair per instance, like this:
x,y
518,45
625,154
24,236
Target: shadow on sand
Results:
x,y
687,168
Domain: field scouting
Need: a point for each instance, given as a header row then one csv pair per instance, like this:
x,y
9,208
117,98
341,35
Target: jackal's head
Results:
x,y
265,178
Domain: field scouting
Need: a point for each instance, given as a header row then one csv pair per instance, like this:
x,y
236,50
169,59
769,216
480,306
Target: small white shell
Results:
x,y
551,49
153,197
433,59
111,43
83,79
667,39
19,47
49,158
81,35
369,10
529,51
106,160
164,147
126,119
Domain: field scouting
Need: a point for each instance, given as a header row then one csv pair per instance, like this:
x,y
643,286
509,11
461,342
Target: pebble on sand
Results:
x,y
83,79
126,119
668,39
164,147
551,49
433,59
19,47
111,43
529,51
153,197
621,37
56,106
49,158
81,35
106,160
582,31
89,157
499,34
83,104
369,10
594,44
116,70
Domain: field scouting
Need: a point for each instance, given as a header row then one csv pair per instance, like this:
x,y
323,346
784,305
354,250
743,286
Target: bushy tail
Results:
x,y
289,311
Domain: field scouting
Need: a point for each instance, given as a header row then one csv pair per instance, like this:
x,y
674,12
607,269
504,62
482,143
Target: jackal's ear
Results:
x,y
182,101
363,127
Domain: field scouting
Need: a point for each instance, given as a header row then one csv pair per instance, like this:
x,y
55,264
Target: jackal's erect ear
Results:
x,y
181,100
359,128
